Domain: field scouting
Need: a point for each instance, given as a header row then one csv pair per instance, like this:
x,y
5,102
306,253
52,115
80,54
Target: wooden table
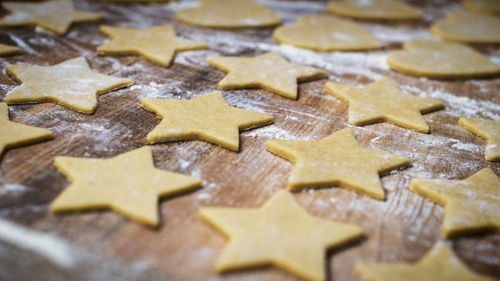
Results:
x,y
104,245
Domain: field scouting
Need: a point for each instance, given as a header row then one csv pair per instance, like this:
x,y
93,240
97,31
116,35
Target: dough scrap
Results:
x,y
439,264
441,60
471,205
206,117
15,134
374,9
486,129
326,33
6,50
467,27
482,6
336,159
269,71
128,183
70,83
382,100
276,234
53,15
157,43
229,14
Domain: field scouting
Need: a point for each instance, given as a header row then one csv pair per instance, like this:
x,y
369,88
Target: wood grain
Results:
x,y
400,229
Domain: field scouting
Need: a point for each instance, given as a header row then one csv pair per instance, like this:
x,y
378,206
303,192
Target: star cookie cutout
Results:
x,y
337,159
269,71
467,27
53,15
382,100
482,6
280,233
6,50
471,205
486,129
440,264
128,183
15,134
206,117
70,83
374,9
157,43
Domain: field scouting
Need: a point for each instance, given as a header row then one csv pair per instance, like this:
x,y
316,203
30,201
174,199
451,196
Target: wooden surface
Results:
x,y
400,229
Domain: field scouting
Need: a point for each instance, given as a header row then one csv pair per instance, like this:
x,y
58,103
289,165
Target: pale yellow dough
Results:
x,y
157,43
382,100
6,50
15,134
471,205
53,15
326,33
337,159
229,14
280,233
488,130
207,117
482,6
70,83
374,9
467,27
440,264
437,59
128,183
269,71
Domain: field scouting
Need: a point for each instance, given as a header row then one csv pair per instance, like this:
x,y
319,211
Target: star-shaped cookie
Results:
x,y
471,205
157,43
15,134
128,183
374,9
482,6
269,71
53,15
280,233
382,100
70,83
486,129
440,264
336,159
467,27
6,50
206,117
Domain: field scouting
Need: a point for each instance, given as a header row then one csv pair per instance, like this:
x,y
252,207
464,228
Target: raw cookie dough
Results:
x,y
15,134
467,27
336,159
229,14
157,43
70,83
269,71
53,15
374,9
206,117
280,233
326,33
128,183
441,60
482,6
471,205
6,50
439,264
486,129
383,101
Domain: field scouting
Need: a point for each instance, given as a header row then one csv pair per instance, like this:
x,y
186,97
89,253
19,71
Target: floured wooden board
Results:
x,y
403,228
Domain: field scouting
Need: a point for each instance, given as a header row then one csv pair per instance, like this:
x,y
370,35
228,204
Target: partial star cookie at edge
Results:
x,y
7,50
70,83
337,159
128,183
382,100
269,71
471,205
439,264
15,134
280,233
158,43
486,129
207,117
53,15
